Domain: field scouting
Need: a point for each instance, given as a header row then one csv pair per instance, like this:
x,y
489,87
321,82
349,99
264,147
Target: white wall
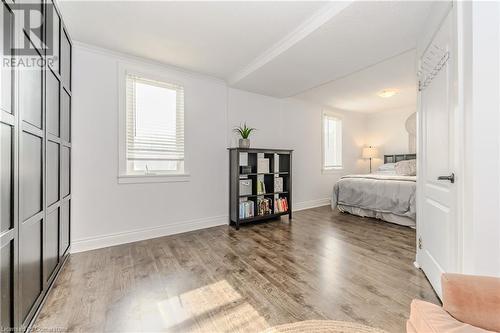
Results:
x,y
386,130
127,212
303,134
296,124
261,112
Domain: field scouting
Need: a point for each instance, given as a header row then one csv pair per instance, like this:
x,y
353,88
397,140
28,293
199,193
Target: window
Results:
x,y
154,123
332,142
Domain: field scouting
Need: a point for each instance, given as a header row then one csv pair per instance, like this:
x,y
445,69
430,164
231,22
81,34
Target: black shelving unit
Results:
x,y
280,165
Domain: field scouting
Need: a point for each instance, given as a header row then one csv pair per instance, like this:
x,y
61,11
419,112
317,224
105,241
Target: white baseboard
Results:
x,y
92,243
311,204
98,242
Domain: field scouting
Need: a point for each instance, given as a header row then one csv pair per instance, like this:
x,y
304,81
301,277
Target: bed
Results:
x,y
384,194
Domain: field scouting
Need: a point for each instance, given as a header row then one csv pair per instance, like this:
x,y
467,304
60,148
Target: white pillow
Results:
x,y
387,167
386,172
406,168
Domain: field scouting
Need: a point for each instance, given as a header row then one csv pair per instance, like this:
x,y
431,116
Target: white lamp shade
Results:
x,y
369,152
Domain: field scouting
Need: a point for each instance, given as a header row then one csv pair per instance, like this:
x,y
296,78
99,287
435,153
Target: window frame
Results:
x,y
124,176
324,116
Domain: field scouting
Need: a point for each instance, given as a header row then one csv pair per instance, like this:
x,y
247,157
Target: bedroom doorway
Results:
x,y
437,227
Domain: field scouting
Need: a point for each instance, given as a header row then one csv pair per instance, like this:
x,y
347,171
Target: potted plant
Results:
x,y
244,132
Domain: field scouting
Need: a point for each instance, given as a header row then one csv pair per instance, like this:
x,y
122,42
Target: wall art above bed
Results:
x,y
411,128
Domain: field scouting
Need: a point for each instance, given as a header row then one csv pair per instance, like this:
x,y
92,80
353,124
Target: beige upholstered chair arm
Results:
x,y
472,299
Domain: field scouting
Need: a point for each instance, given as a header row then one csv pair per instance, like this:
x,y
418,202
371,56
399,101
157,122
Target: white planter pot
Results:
x,y
244,143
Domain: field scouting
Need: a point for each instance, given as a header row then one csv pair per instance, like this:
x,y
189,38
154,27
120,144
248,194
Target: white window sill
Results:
x,y
332,170
158,178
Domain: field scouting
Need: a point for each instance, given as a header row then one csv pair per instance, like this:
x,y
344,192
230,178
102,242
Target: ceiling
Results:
x,y
214,38
362,34
307,49
359,91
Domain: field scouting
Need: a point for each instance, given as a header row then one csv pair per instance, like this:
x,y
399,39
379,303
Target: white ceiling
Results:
x,y
359,91
214,38
362,34
276,48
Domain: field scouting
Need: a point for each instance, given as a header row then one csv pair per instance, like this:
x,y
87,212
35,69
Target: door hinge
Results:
x,y
420,242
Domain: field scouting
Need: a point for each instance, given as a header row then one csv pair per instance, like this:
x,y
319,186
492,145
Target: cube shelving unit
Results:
x,y
280,165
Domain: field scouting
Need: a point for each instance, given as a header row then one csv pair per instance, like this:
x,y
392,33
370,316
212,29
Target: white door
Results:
x,y
436,224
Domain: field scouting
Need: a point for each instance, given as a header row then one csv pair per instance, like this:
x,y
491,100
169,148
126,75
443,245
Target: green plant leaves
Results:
x,y
244,131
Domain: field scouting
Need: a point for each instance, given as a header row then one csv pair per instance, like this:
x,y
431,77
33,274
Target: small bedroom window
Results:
x,y
154,129
332,142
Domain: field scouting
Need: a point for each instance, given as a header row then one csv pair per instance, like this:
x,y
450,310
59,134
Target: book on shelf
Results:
x,y
263,165
261,187
264,206
278,184
280,205
243,159
246,209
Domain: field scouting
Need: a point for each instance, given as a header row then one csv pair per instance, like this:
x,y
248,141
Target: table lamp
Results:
x,y
370,152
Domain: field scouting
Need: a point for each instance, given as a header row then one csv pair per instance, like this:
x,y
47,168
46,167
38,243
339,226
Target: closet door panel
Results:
x,y
6,180
30,95
65,226
31,175
52,103
65,60
7,230
52,172
51,255
7,285
56,24
6,22
36,7
30,262
65,117
65,171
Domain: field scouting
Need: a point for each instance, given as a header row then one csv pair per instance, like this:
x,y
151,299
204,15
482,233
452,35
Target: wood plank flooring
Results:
x,y
325,265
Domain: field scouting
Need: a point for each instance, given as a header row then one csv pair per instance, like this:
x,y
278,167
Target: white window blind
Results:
x,y
332,142
155,126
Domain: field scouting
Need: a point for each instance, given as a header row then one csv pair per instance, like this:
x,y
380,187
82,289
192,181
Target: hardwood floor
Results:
x,y
325,265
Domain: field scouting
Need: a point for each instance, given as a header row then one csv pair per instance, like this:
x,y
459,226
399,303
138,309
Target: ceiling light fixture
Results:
x,y
386,93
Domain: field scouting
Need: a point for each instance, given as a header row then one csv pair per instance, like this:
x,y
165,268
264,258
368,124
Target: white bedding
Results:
x,y
383,196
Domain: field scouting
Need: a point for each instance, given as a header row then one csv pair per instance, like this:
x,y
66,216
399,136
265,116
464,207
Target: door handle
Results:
x,y
451,178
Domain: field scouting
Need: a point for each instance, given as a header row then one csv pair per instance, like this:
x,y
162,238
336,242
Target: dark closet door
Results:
x,y
58,114
8,174
53,158
35,159
31,190
65,139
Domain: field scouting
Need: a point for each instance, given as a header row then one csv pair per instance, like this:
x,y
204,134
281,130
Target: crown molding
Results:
x,y
126,57
318,19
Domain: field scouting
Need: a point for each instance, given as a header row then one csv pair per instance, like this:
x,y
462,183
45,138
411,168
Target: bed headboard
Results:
x,y
399,157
